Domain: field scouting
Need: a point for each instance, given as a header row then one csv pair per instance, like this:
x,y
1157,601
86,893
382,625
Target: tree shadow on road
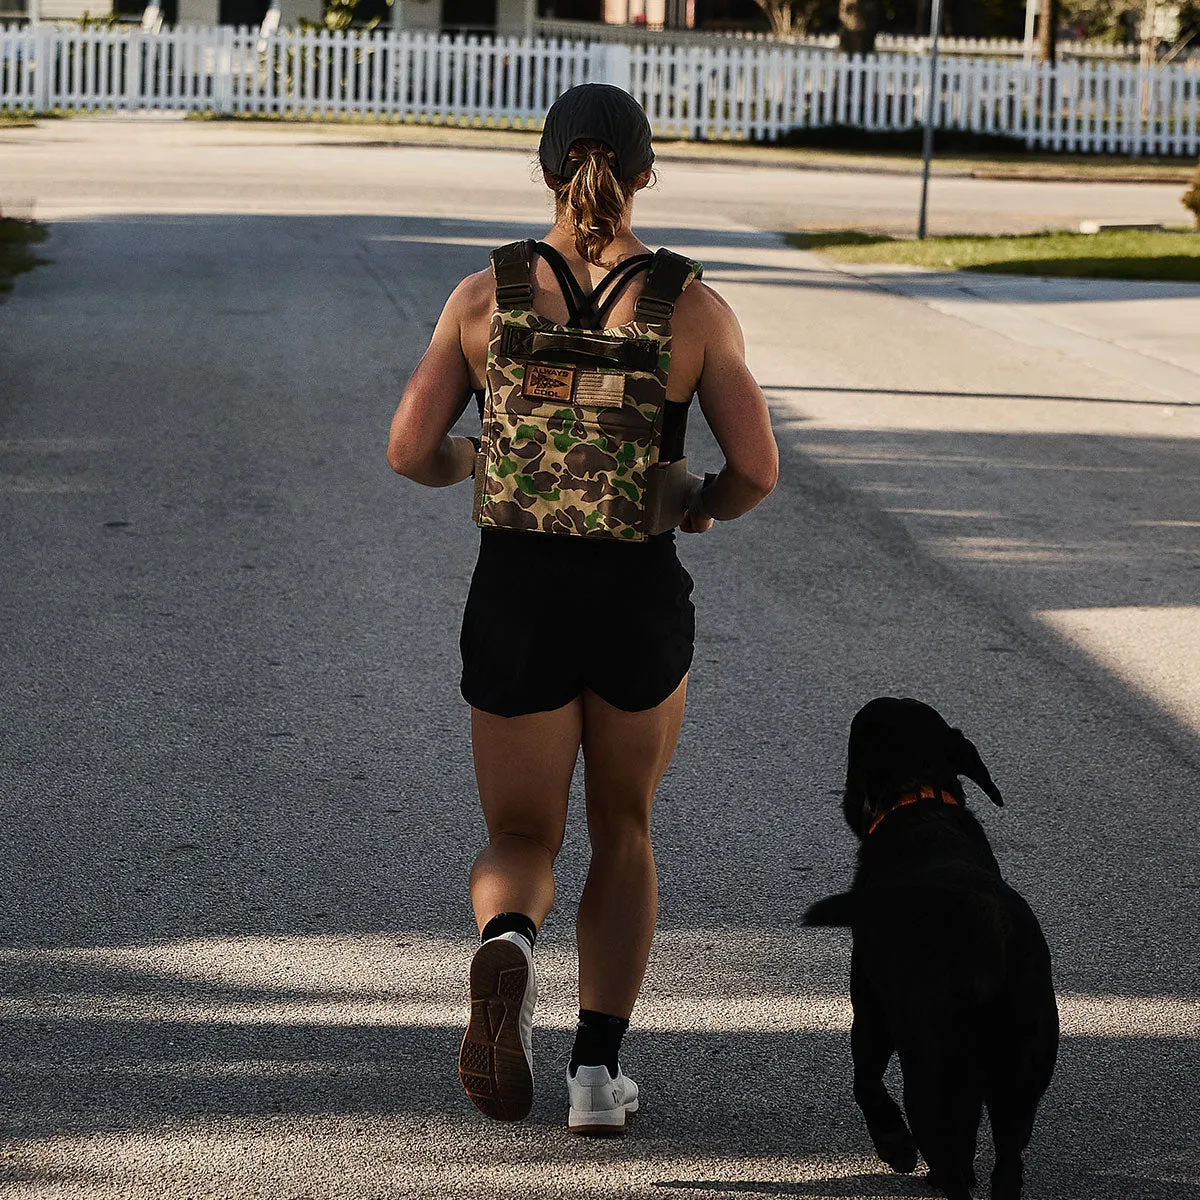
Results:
x,y
77,1066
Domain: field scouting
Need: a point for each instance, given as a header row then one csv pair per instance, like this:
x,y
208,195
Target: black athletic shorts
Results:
x,y
549,615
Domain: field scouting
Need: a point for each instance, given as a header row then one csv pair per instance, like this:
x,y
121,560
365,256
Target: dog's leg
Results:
x,y
1012,1127
1012,1105
1022,1052
943,1100
1017,1086
871,1047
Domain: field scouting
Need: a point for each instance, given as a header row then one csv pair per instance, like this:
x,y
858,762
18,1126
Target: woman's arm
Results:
x,y
419,445
736,412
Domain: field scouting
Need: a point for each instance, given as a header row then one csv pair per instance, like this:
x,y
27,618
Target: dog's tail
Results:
x,y
833,910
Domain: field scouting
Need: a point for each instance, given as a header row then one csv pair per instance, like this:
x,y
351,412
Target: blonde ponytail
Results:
x,y
595,198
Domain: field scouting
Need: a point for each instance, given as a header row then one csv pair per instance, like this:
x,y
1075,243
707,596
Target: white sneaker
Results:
x,y
495,1063
599,1103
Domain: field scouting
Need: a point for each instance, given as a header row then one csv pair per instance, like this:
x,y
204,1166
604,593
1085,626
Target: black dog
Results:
x,y
949,969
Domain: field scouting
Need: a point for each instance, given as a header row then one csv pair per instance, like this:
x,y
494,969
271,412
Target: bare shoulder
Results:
x,y
473,298
705,314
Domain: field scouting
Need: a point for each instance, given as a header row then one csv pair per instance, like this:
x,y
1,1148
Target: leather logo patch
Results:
x,y
548,383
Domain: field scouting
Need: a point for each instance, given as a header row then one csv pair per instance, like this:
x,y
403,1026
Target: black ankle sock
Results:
x,y
510,923
597,1040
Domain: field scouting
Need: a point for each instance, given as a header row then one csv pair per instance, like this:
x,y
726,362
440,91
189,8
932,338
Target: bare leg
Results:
x,y
625,755
523,766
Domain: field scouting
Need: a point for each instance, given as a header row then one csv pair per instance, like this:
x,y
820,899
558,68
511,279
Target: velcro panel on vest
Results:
x,y
512,266
600,389
669,274
580,350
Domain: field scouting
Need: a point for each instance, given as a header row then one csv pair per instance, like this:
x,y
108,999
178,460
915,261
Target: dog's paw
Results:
x,y
900,1155
1007,1180
953,1187
894,1144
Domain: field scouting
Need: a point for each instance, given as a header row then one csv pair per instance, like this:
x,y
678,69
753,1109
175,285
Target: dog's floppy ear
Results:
x,y
833,910
967,762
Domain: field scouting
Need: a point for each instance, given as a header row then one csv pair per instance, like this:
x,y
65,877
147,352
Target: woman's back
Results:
x,y
700,319
572,641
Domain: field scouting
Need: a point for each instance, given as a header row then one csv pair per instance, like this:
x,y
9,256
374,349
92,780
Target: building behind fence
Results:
x,y
737,90
885,43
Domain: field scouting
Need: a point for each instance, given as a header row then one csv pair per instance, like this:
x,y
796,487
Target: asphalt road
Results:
x,y
235,765
86,165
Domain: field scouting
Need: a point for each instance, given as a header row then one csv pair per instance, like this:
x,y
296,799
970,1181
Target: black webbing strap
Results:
x,y
588,310
572,294
511,267
669,274
617,281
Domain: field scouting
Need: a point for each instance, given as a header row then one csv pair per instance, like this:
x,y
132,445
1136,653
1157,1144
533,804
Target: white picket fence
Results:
x,y
736,91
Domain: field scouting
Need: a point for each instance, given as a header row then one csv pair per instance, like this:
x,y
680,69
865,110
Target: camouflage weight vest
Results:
x,y
573,418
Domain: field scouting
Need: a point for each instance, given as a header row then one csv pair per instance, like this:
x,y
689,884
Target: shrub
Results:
x,y
16,255
1191,198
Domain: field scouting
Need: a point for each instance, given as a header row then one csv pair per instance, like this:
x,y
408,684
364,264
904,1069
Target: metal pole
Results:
x,y
935,25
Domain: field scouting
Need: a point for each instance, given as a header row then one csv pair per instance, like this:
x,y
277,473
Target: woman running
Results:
x,y
585,351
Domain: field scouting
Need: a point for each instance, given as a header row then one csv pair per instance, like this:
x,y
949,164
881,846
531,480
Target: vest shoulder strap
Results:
x,y
511,266
669,274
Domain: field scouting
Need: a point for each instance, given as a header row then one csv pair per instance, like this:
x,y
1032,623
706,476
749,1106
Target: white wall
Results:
x,y
290,11
198,12
207,12
512,16
72,10
417,14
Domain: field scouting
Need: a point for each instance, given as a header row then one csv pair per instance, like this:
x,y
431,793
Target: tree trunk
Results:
x,y
780,16
1048,31
1149,34
859,21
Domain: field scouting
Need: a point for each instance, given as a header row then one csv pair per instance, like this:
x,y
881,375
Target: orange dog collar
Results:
x,y
924,793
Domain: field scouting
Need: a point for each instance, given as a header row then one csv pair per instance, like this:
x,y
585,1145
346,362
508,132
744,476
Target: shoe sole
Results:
x,y
491,1063
610,1123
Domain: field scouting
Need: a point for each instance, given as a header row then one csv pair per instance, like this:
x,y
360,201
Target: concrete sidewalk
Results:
x,y
1140,332
995,420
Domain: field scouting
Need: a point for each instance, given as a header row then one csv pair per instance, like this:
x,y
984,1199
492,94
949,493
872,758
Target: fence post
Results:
x,y
616,58
223,70
44,67
132,92
596,62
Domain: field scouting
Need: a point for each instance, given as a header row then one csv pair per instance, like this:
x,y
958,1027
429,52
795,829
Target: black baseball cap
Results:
x,y
600,112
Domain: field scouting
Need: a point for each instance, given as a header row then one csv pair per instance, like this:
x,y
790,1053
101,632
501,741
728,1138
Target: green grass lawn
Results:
x,y
17,239
1119,254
